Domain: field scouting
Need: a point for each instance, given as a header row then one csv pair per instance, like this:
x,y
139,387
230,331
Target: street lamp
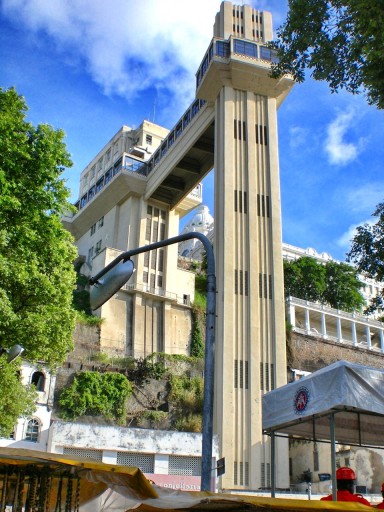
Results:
x,y
109,280
13,352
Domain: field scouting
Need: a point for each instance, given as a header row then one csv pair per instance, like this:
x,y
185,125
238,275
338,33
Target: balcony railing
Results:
x,y
223,49
159,292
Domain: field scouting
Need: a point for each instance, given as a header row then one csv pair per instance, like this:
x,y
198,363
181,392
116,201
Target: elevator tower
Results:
x,y
250,348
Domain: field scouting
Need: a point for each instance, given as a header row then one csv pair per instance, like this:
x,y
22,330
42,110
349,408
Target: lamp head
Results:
x,y
12,352
110,283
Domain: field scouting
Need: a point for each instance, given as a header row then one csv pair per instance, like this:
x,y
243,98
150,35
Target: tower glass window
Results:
x,y
245,48
222,49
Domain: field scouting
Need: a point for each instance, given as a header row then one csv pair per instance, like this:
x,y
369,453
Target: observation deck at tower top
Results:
x,y
186,155
246,64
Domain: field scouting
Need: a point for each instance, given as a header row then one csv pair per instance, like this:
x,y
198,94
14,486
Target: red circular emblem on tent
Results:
x,y
301,400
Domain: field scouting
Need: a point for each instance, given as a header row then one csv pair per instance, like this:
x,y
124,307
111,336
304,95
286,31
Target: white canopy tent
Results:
x,y
341,403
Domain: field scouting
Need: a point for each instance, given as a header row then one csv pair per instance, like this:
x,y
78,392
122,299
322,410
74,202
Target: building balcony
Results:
x,y
321,321
159,293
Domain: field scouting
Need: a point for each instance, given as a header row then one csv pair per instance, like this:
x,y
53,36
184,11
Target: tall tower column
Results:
x,y
251,346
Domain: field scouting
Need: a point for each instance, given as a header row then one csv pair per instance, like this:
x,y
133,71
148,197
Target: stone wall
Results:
x,y
310,353
86,340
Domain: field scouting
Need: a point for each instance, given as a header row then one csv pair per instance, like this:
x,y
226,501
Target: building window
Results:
x,y
148,139
90,254
315,460
99,184
38,380
222,49
83,453
160,263
101,222
108,176
244,48
145,462
33,430
93,229
98,247
182,465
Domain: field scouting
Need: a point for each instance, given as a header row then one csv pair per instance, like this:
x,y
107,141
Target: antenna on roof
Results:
x,y
154,109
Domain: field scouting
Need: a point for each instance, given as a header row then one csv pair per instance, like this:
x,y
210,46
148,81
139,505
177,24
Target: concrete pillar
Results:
x,y
339,333
161,464
354,336
307,321
291,313
368,334
323,325
109,457
381,333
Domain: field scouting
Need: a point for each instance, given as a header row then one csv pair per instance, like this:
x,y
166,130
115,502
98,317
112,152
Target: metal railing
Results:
x,y
159,292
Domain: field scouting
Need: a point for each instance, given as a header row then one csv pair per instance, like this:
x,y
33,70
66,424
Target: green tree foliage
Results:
x,y
304,278
36,253
96,394
367,252
342,287
340,41
197,339
15,399
335,284
81,298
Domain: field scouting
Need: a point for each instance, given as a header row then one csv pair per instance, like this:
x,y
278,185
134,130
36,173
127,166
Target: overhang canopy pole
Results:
x,y
273,465
333,455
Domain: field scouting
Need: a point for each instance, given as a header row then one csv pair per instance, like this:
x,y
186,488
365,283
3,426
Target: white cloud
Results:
x,y
365,198
298,136
341,152
126,46
346,238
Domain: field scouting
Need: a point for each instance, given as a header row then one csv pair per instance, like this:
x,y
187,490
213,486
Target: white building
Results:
x,y
32,433
169,459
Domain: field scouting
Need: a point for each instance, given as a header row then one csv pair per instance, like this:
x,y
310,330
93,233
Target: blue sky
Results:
x,y
90,66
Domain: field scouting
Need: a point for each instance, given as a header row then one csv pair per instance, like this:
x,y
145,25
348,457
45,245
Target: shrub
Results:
x,y
93,393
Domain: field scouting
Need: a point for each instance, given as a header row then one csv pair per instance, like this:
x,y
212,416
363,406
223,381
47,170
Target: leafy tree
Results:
x,y
94,394
342,287
304,278
332,283
37,277
340,41
367,253
15,399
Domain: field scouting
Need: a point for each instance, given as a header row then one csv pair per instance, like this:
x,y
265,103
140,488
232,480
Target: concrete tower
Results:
x,y
250,353
137,187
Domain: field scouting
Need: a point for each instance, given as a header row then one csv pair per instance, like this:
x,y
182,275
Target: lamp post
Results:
x,y
118,272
